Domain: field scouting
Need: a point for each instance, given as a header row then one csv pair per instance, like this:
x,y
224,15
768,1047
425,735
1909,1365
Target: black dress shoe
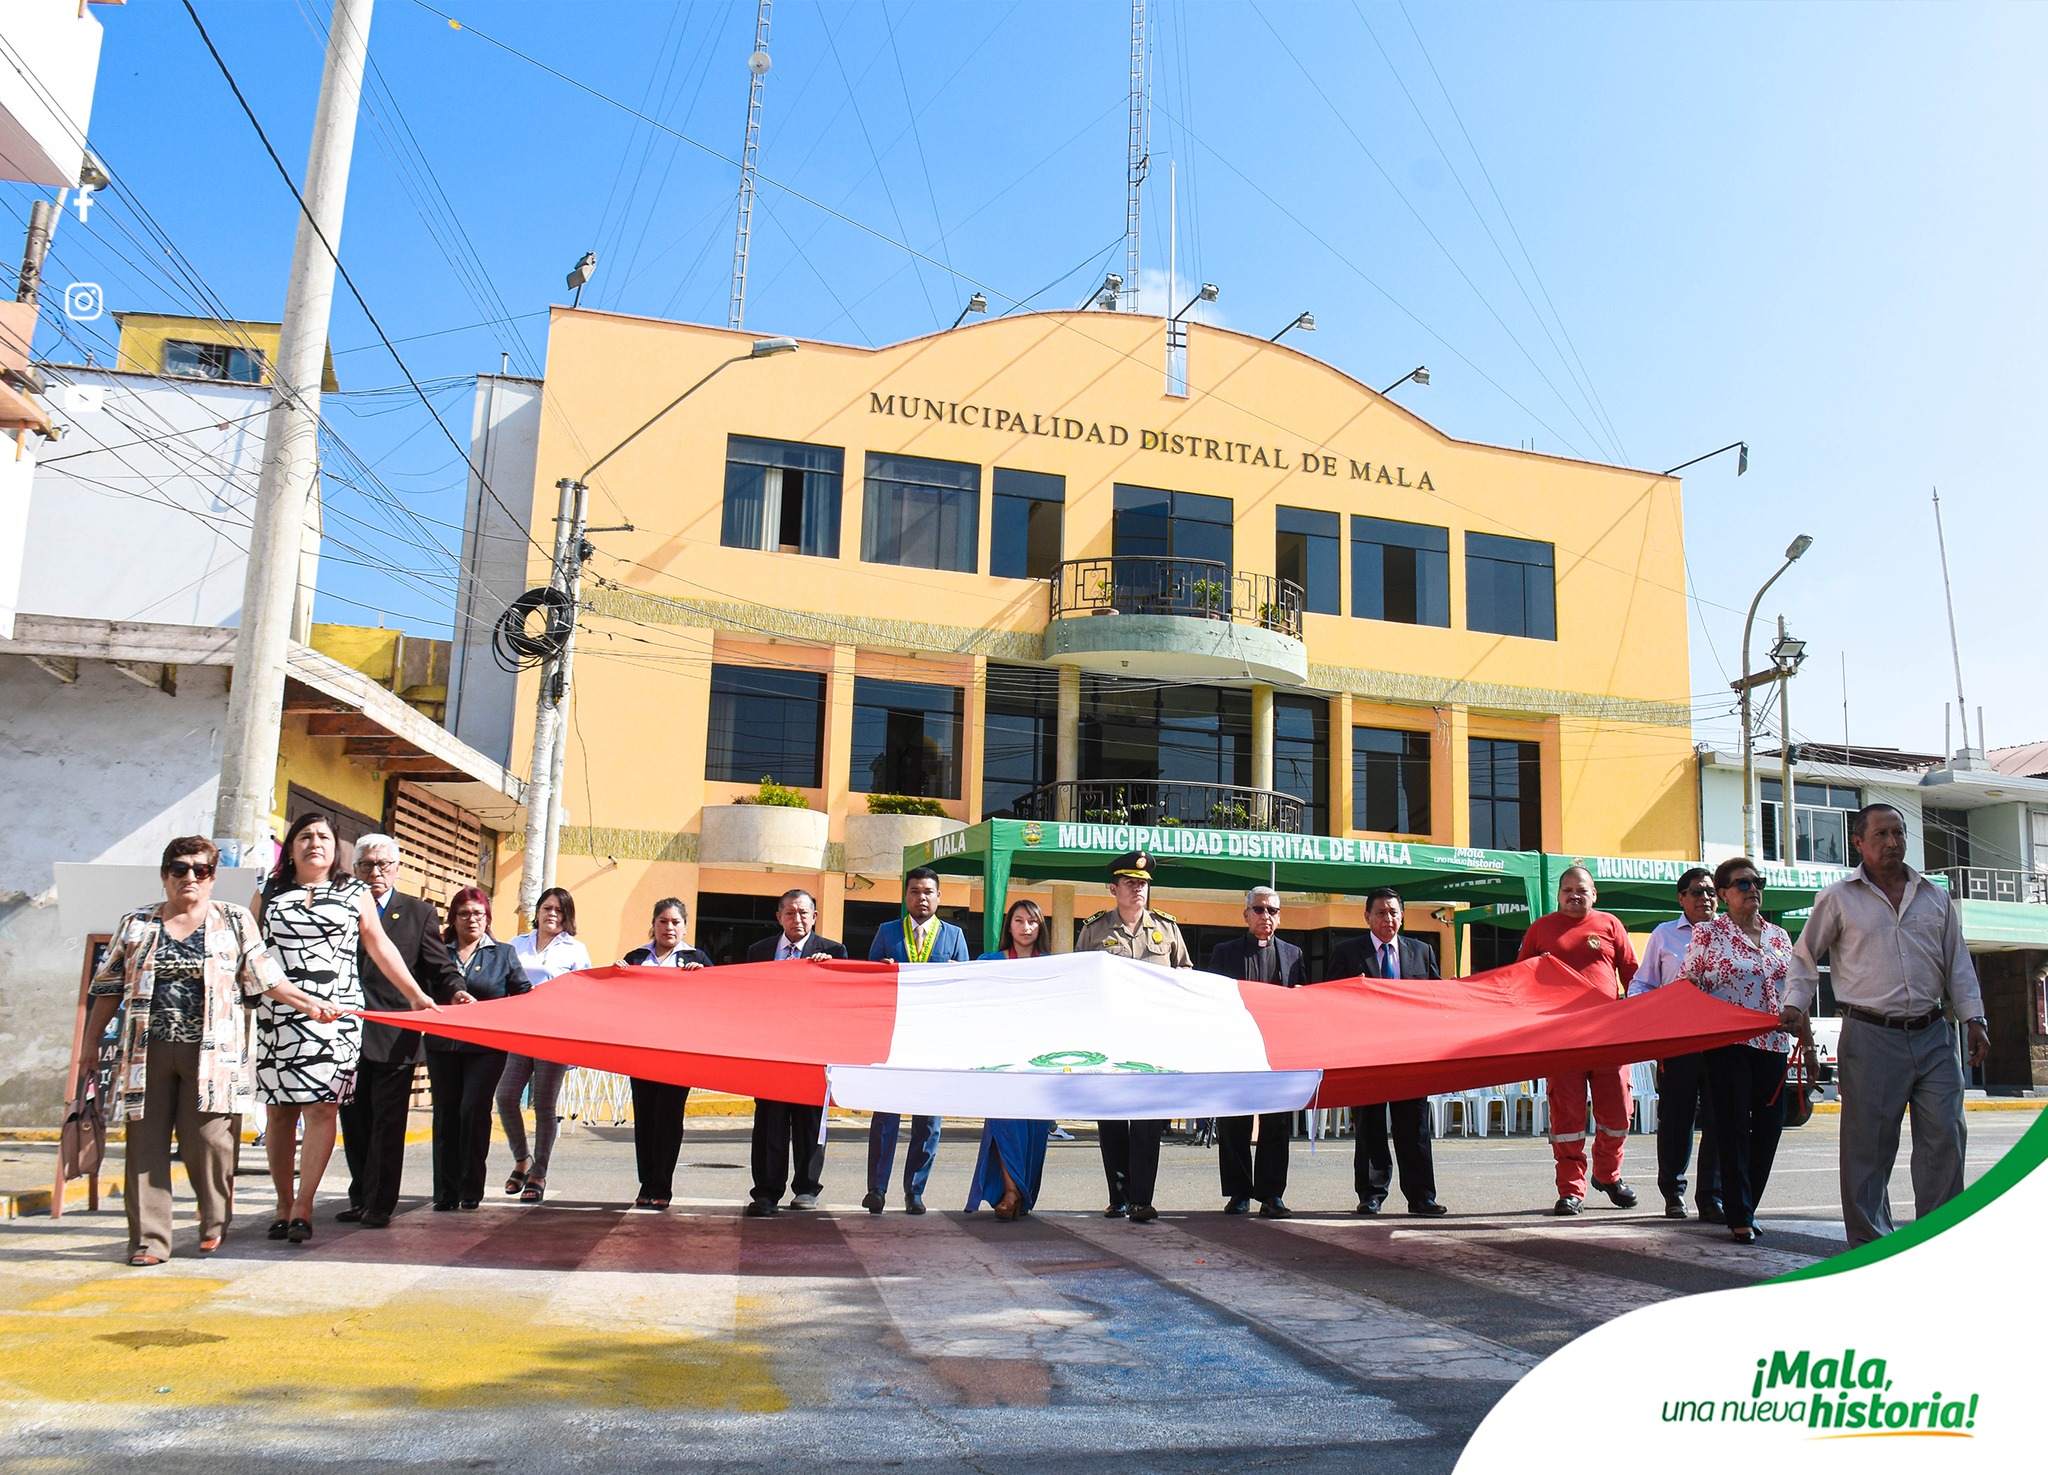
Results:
x,y
1428,1208
443,1206
349,1216
874,1203
1567,1206
1273,1208
468,1205
1373,1204
913,1206
1143,1213
374,1221
1712,1213
760,1208
1116,1211
1238,1206
1618,1193
1674,1208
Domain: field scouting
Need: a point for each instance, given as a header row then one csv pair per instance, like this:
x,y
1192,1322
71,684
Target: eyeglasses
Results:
x,y
1748,883
1701,891
1265,911
376,865
198,870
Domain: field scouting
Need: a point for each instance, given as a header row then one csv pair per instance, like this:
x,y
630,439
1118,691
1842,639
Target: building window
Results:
x,y
1024,530
1510,586
214,361
782,497
1301,757
1133,729
1400,571
1306,552
906,738
1154,523
1019,736
1390,781
1945,839
1507,795
921,513
765,724
1823,813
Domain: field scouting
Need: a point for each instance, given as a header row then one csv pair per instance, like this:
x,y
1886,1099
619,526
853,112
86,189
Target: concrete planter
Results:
x,y
763,835
875,842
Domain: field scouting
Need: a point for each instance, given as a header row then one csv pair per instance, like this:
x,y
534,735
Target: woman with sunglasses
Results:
x,y
1012,1162
1741,957
183,968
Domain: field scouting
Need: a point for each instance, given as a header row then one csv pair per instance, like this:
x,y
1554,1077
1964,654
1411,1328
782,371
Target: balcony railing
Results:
x,y
1979,883
1197,588
1162,802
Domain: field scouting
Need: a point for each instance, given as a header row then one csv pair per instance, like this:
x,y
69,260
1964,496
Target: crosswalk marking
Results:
x,y
1364,1336
1701,1249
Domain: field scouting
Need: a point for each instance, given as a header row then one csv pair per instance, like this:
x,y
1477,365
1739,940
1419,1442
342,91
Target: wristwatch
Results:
x,y
1979,1019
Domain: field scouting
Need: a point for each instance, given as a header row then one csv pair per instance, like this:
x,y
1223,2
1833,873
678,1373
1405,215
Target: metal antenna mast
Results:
x,y
758,65
1140,156
1955,649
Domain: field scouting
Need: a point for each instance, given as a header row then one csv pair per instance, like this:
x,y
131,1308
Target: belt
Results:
x,y
1918,1022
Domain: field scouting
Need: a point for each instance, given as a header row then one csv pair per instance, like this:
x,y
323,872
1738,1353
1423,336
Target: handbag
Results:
x,y
1799,1076
82,1146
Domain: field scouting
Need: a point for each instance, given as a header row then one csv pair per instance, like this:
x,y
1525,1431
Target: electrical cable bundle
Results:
x,y
514,647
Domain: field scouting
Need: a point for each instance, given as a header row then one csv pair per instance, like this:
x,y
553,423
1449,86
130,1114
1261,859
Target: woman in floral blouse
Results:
x,y
184,968
1740,957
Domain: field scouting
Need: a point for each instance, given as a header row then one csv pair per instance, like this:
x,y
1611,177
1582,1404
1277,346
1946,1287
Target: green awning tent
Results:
x,y
1002,850
1644,893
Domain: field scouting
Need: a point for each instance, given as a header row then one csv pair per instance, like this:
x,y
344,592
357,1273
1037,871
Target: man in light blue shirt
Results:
x,y
1682,1094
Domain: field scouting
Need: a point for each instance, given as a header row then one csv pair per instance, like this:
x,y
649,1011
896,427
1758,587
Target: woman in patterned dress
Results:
x,y
314,914
1741,957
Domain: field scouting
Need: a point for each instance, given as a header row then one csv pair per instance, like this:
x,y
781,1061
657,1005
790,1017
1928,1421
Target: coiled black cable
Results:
x,y
515,648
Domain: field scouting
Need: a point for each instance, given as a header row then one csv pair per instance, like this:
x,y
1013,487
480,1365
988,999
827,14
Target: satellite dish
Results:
x,y
758,63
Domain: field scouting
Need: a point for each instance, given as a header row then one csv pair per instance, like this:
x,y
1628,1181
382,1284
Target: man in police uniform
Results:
x,y
1131,929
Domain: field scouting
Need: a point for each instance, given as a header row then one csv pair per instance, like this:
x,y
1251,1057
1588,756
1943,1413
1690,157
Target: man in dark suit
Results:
x,y
1387,954
373,1121
919,937
788,1151
1263,957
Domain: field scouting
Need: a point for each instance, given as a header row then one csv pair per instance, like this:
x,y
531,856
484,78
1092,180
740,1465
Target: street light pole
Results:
x,y
550,730
1751,841
1788,798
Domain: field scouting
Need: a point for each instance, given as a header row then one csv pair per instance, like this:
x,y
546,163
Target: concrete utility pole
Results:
x,y
565,673
543,811
291,452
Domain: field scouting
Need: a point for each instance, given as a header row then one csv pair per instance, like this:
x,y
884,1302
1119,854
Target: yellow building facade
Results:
x,y
1008,566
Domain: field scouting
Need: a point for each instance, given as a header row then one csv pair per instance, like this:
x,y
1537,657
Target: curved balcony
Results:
x,y
1163,802
1176,617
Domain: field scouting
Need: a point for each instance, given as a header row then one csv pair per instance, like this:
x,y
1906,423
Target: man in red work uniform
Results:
x,y
1597,945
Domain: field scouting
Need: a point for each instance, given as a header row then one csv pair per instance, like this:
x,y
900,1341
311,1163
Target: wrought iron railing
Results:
x,y
1163,802
1197,588
1981,883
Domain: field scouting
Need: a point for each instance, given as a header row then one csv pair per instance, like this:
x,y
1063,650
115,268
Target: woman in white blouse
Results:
x,y
1741,957
549,951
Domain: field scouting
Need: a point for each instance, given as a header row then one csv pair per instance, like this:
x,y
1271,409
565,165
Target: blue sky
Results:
x,y
1628,232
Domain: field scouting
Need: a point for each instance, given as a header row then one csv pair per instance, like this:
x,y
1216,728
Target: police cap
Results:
x,y
1135,864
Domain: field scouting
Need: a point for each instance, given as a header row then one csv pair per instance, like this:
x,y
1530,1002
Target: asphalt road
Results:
x,y
555,1337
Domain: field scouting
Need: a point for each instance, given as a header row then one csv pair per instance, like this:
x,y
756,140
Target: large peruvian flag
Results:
x,y
1083,1034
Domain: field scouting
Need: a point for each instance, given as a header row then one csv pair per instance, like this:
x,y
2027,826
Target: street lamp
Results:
x,y
1741,447
1751,840
1419,374
1176,330
581,273
1104,296
550,748
1306,322
976,303
1788,654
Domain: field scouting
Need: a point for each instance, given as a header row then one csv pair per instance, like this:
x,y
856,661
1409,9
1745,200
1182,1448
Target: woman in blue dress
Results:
x,y
1012,1161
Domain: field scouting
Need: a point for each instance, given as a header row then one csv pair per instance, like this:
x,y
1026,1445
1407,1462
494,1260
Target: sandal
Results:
x,y
208,1246
278,1229
514,1183
299,1231
143,1257
535,1190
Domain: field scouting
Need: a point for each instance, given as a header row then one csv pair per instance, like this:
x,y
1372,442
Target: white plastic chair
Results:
x,y
1643,1085
1479,1107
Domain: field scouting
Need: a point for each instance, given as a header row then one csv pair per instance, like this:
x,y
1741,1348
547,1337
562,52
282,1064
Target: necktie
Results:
x,y
1388,967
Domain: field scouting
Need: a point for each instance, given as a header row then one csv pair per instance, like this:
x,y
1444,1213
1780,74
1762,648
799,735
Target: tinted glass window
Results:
x,y
1025,516
1306,552
765,724
1020,735
1507,794
906,738
1390,781
921,513
1510,586
1400,571
1301,757
782,496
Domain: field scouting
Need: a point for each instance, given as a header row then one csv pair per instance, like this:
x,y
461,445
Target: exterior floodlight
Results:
x,y
1740,447
977,303
581,273
767,347
1742,457
1306,322
1418,374
1787,652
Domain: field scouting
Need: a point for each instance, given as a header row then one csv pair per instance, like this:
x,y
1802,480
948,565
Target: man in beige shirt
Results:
x,y
1894,943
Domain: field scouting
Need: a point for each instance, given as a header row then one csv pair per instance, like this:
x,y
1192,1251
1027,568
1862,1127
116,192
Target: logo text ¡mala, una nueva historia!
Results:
x,y
1833,1397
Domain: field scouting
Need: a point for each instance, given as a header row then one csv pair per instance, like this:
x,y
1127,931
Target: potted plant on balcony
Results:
x,y
875,841
1229,814
1104,594
1210,597
773,826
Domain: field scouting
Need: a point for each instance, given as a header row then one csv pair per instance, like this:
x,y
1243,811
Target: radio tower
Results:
x,y
1140,156
758,65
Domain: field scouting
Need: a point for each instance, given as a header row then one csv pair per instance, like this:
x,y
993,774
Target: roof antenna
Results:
x,y
758,65
1965,756
1140,155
